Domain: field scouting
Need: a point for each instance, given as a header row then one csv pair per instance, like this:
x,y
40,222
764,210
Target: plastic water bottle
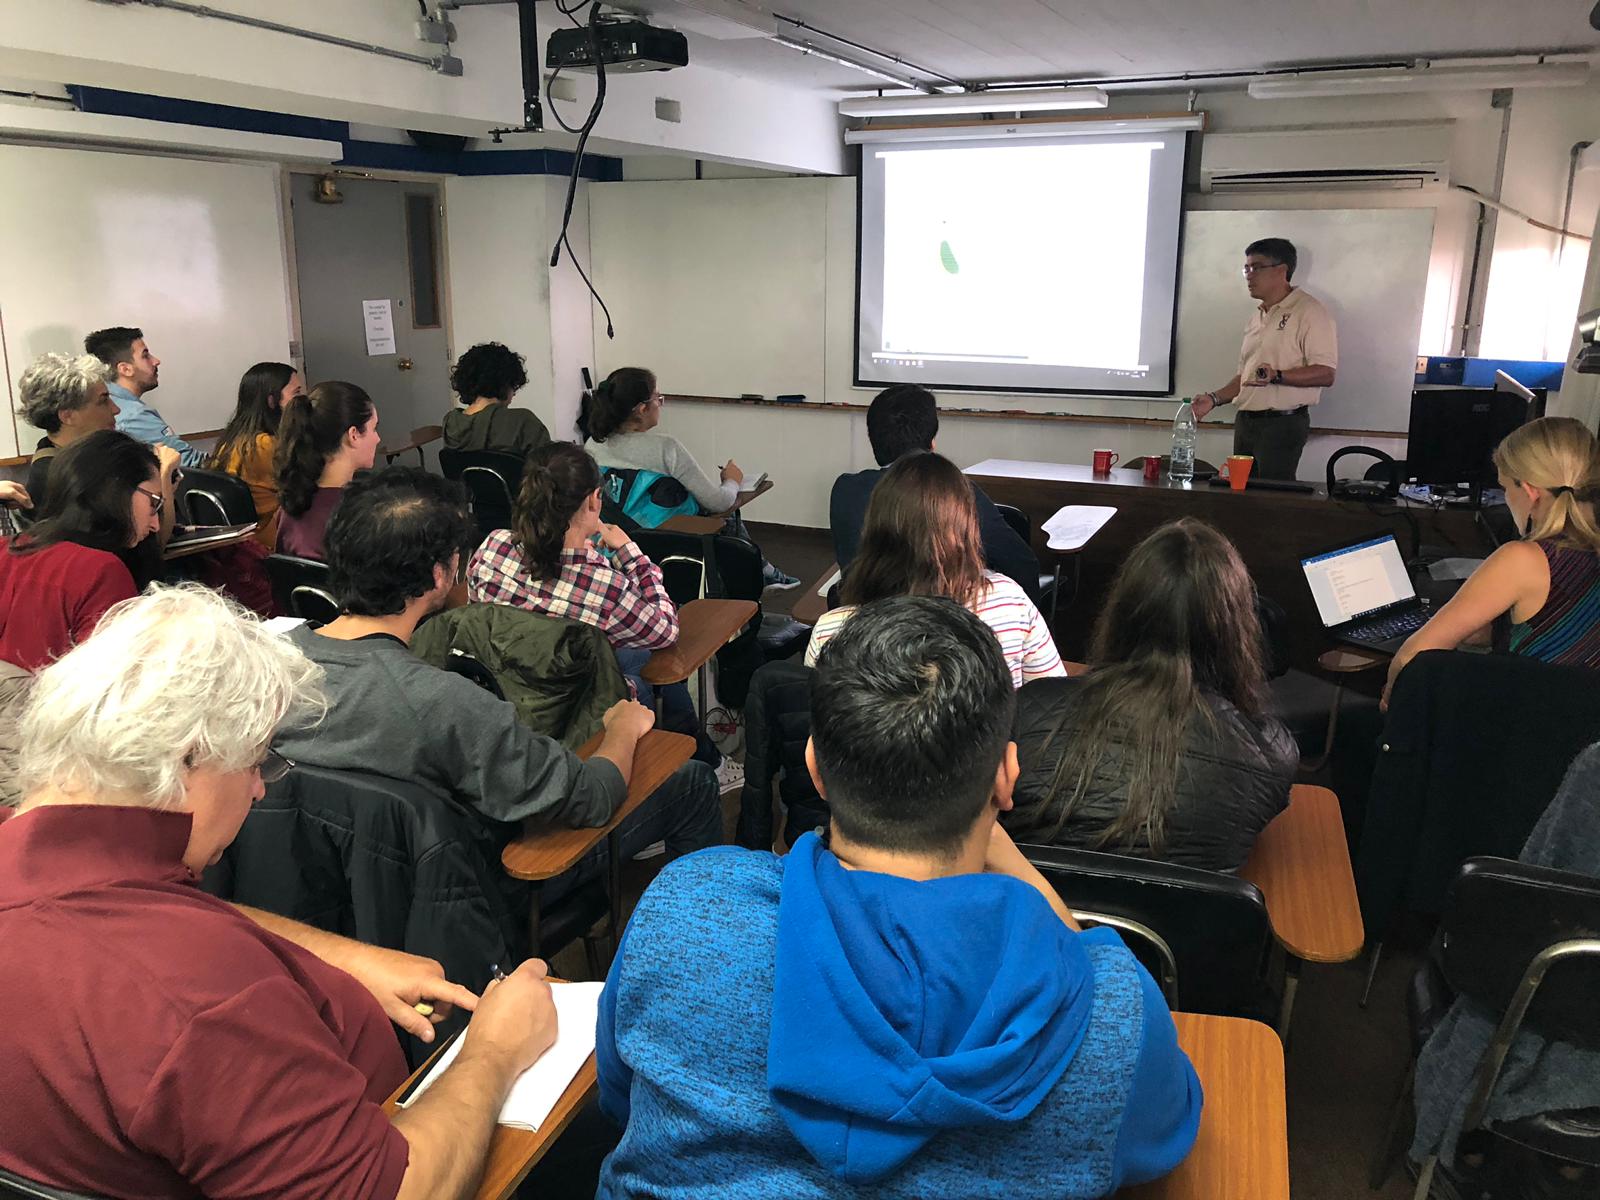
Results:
x,y
1185,433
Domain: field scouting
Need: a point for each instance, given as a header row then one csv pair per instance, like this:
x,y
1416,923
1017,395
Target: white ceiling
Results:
x,y
992,40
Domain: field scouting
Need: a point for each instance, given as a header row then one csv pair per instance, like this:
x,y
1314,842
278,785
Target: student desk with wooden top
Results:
x,y
704,627
1240,1153
546,850
1273,530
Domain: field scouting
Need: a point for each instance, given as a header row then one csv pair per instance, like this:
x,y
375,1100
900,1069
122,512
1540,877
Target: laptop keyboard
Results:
x,y
1381,630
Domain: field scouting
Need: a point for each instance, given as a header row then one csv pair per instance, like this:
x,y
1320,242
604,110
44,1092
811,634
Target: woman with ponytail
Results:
x,y
560,559
620,416
324,438
1547,586
249,442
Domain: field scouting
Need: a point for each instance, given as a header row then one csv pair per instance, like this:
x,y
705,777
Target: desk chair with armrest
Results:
x,y
390,863
15,1187
1205,937
1524,943
491,480
206,497
421,436
301,588
1049,582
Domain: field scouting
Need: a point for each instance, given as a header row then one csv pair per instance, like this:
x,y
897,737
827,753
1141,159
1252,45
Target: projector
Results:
x,y
624,46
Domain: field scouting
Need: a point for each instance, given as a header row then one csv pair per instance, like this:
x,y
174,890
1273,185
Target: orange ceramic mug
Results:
x,y
1237,470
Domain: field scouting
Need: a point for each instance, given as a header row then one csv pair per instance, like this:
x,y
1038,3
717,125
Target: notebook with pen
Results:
x,y
537,1090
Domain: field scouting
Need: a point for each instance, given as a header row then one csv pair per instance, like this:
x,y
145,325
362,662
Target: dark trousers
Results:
x,y
1274,439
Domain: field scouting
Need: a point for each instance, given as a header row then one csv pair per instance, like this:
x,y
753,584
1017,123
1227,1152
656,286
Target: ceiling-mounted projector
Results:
x,y
624,46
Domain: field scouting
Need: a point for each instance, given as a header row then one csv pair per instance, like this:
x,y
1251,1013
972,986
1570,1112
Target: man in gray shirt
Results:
x,y
393,547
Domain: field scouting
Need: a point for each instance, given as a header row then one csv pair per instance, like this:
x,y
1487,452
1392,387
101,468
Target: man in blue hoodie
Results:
x,y
905,1009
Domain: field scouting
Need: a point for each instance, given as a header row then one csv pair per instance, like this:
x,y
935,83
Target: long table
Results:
x,y
1272,529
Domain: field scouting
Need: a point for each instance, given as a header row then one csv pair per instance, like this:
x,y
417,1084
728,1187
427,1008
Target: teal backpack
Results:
x,y
647,497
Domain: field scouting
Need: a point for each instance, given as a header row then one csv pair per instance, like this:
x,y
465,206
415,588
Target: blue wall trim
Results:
x,y
382,156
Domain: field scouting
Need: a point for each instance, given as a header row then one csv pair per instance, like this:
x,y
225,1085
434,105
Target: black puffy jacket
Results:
x,y
1234,778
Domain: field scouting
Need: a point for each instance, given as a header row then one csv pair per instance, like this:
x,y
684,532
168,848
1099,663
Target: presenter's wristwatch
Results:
x,y
1277,377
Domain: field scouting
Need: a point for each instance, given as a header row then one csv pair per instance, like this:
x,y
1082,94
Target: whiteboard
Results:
x,y
190,251
719,287
1368,266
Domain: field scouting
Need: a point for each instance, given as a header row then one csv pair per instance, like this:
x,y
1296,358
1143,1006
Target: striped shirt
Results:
x,y
1567,629
626,600
1005,608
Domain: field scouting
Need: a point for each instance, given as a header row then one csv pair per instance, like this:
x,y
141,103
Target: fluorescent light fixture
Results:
x,y
1022,100
1419,79
1028,129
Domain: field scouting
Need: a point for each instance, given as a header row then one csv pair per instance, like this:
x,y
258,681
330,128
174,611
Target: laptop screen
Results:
x,y
1355,581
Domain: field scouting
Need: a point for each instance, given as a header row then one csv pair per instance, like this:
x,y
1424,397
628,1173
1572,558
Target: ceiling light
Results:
x,y
1421,79
1026,100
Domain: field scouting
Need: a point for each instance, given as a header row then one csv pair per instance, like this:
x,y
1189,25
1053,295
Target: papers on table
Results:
x,y
282,625
206,535
539,1087
1073,526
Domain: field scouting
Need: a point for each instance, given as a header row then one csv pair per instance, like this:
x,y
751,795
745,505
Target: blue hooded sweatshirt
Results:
x,y
789,1028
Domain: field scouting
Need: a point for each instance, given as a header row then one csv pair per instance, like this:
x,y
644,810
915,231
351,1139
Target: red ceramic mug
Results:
x,y
1104,460
1152,468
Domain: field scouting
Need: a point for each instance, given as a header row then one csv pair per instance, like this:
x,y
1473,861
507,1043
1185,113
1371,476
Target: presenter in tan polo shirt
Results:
x,y
1290,353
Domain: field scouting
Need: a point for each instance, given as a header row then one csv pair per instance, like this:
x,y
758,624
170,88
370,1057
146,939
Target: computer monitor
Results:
x,y
1453,434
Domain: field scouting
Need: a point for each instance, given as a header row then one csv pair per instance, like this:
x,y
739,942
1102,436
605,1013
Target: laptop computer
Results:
x,y
1364,595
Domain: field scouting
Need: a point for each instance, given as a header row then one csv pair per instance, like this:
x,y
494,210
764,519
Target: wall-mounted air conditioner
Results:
x,y
1313,159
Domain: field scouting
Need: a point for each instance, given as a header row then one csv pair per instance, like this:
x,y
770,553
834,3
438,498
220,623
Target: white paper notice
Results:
x,y
378,317
539,1087
1073,526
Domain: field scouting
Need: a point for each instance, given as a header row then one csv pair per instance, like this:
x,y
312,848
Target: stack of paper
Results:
x,y
539,1087
1073,526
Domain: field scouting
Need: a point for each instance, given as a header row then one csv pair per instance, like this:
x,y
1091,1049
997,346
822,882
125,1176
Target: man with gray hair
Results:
x,y
178,1045
66,396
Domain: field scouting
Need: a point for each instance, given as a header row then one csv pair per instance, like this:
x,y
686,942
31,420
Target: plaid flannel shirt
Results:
x,y
626,599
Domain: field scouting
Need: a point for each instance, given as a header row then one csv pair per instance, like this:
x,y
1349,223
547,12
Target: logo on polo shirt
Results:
x,y
1283,322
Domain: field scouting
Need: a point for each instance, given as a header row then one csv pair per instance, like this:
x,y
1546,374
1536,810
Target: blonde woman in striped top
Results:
x,y
921,538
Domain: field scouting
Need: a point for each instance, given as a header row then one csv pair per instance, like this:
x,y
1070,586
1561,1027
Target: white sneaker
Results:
x,y
730,776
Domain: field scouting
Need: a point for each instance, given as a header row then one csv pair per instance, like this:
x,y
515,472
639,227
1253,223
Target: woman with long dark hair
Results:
x,y
249,442
86,550
324,438
560,559
921,538
1165,749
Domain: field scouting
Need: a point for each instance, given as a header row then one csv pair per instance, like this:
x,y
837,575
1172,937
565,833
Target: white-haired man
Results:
x,y
174,1044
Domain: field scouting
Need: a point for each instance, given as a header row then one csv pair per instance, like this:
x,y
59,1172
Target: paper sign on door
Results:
x,y
378,316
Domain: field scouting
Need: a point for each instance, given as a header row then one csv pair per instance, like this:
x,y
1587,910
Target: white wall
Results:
x,y
499,230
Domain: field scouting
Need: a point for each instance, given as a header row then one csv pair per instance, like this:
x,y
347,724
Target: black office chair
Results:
x,y
491,480
300,588
1523,942
207,497
15,1186
1049,581
463,664
1204,936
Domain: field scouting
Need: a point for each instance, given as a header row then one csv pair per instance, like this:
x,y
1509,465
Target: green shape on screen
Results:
x,y
948,258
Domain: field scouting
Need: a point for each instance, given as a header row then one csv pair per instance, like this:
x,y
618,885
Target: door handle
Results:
x,y
405,364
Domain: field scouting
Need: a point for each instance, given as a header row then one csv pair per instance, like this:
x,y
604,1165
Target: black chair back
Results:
x,y
1203,935
1018,520
1502,915
465,665
300,588
206,497
491,480
25,1189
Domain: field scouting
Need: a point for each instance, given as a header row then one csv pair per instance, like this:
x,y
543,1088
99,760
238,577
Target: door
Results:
x,y
381,240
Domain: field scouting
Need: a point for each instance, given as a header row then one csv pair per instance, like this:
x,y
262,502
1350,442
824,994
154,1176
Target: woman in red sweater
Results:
x,y
85,552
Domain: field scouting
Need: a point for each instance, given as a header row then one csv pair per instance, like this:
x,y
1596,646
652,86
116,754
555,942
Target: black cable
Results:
x,y
423,5
577,155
